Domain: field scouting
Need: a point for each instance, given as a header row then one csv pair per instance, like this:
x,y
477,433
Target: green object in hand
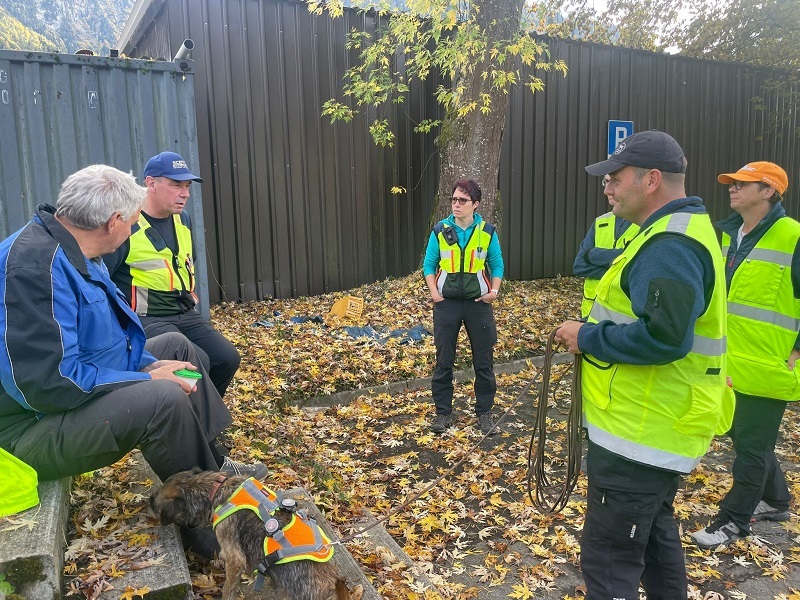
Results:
x,y
189,374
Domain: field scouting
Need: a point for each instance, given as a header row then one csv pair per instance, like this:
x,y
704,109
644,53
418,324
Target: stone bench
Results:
x,y
32,544
32,547
168,578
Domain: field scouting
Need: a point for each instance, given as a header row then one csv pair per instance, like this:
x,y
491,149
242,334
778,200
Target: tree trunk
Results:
x,y
470,146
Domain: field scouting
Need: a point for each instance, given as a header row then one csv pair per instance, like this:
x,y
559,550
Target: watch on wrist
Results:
x,y
496,292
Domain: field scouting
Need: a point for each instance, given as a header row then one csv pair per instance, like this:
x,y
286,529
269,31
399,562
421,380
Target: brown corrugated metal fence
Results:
x,y
295,206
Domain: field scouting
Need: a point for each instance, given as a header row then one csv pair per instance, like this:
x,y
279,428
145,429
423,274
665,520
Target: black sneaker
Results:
x,y
233,467
487,424
765,512
441,423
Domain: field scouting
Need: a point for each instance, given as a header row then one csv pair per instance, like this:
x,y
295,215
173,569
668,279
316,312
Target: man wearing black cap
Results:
x,y
155,267
653,372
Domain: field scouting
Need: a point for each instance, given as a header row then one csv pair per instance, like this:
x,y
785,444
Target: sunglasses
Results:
x,y
460,201
740,184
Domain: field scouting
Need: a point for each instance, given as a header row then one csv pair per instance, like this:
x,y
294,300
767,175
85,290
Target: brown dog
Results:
x,y
189,498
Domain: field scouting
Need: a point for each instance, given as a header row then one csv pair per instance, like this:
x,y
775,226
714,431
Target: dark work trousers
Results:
x,y
630,534
479,322
172,430
220,355
756,472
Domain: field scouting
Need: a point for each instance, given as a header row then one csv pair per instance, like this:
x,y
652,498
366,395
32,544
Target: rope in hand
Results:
x,y
551,497
449,471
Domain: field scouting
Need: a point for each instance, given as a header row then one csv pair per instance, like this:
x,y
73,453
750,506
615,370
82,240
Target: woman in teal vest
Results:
x,y
463,268
760,244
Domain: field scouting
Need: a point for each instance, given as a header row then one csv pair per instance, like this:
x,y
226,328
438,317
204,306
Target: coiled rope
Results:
x,y
550,495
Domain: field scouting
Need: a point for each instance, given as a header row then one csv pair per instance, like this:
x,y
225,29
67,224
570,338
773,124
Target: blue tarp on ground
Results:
x,y
415,334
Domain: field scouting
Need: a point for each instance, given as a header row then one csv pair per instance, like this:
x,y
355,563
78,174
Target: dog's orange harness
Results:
x,y
300,539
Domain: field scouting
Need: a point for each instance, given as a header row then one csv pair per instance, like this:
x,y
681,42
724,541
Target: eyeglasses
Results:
x,y
740,184
605,181
460,201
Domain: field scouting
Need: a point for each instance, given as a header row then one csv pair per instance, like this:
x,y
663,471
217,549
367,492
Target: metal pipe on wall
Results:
x,y
184,51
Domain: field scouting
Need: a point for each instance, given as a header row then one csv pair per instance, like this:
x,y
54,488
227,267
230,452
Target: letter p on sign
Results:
x,y
618,131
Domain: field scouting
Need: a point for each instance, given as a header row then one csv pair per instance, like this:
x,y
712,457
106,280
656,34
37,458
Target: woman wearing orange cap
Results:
x,y
762,269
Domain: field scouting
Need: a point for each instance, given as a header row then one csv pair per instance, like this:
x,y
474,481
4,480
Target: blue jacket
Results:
x,y
494,256
683,273
67,335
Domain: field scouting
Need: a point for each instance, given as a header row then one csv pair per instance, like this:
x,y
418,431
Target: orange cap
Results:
x,y
765,172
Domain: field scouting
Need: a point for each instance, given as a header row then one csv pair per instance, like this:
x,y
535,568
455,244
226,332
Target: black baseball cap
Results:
x,y
647,149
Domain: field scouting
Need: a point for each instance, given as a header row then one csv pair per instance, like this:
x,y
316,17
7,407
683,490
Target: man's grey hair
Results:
x,y
89,197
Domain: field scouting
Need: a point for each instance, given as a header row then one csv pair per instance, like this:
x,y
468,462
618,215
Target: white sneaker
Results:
x,y
765,512
717,534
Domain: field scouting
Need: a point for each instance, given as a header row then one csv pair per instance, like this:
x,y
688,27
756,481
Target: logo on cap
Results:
x,y
620,148
179,164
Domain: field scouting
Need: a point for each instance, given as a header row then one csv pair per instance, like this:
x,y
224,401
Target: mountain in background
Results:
x,y
62,25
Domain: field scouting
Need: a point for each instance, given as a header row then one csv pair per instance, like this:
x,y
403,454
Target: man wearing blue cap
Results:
x,y
653,372
155,267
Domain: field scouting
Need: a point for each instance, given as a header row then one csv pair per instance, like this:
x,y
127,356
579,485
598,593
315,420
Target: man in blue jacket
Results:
x,y
463,268
80,387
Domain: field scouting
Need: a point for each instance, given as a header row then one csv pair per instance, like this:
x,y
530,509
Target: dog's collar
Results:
x,y
221,478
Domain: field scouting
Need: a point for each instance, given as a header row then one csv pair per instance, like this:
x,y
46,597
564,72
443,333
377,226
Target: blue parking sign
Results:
x,y
618,131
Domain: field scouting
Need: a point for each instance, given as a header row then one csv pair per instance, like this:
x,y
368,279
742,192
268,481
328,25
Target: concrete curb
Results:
x,y
169,578
348,396
379,537
32,558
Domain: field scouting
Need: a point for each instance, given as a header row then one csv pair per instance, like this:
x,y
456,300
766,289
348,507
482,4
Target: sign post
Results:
x,y
618,131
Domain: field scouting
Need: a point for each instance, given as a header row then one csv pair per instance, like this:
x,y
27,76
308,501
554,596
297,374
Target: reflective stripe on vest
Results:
x,y
158,270
660,415
605,238
764,315
701,345
463,274
300,539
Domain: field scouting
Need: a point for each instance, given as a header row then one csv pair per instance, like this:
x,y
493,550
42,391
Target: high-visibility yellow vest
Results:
x,y
764,315
18,489
660,415
300,539
604,237
156,271
462,275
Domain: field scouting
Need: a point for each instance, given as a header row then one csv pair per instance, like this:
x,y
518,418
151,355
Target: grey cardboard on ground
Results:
x,y
169,578
32,558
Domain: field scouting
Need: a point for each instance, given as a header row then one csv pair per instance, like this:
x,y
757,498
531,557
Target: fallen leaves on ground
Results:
x,y
474,533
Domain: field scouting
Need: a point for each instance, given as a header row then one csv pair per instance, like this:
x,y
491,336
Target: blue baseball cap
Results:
x,y
169,164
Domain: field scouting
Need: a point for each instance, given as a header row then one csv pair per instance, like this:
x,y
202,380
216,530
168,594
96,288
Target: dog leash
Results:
x,y
551,497
435,482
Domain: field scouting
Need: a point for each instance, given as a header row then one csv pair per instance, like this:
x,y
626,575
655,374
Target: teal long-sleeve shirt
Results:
x,y
494,256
